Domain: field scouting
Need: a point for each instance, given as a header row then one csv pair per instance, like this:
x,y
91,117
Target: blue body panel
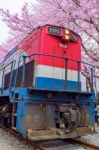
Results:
x,y
56,84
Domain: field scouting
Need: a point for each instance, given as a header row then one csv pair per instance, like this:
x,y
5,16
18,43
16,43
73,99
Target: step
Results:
x,y
15,102
14,128
14,114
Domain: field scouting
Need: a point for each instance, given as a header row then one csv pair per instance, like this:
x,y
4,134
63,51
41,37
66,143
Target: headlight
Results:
x,y
67,37
67,31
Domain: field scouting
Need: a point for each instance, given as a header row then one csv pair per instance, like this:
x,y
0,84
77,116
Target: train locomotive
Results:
x,y
41,94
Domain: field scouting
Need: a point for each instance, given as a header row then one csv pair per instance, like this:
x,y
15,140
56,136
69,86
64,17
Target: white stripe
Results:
x,y
55,72
13,57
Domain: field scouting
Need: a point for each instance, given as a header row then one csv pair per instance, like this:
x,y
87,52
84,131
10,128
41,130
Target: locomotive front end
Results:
x,y
47,99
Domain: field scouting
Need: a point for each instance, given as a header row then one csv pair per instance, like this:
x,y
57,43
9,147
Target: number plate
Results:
x,y
54,30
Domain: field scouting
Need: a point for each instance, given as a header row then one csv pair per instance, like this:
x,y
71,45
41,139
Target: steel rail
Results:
x,y
86,144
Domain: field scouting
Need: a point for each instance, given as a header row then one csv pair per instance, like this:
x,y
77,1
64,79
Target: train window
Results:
x,y
74,37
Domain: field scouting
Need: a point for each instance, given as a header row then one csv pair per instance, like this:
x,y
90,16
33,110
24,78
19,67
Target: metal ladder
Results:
x,y
11,76
14,115
17,73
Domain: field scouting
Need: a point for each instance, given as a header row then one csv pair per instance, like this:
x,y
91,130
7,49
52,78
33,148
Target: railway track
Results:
x,y
50,144
58,143
85,144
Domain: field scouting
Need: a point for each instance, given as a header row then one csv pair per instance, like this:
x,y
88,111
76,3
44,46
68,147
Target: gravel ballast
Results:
x,y
10,142
93,139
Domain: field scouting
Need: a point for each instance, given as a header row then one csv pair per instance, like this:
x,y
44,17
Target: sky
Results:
x,y
15,7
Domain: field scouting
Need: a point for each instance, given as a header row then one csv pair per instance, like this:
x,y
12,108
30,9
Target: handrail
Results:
x,y
7,65
23,57
16,75
3,75
11,76
2,87
41,54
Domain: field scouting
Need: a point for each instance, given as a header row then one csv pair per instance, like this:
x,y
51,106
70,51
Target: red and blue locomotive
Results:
x,y
41,89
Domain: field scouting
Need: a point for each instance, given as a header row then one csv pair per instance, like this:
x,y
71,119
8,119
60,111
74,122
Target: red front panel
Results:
x,y
41,41
52,44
